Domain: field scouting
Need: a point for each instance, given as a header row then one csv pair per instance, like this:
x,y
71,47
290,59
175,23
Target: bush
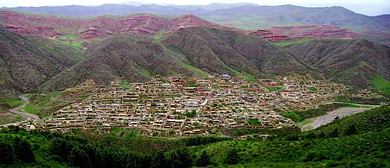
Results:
x,y
203,160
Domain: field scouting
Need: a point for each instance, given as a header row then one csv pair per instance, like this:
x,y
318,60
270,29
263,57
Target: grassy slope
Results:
x,y
382,85
6,103
45,104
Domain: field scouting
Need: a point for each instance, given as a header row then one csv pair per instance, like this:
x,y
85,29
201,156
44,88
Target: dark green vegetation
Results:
x,y
191,113
361,140
254,122
354,62
298,116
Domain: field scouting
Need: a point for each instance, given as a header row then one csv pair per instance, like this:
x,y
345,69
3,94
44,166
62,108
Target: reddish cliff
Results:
x,y
294,32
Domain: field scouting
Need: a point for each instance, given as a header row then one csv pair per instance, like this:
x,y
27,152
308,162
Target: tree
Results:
x,y
334,133
203,160
159,160
23,151
78,157
6,153
232,157
350,130
59,147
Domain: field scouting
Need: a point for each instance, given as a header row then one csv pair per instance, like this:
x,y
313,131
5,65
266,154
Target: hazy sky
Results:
x,y
367,7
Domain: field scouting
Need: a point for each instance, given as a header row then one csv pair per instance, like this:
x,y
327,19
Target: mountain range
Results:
x,y
242,15
46,53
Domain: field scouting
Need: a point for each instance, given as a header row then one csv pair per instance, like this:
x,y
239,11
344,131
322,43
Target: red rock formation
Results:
x,y
296,32
35,24
322,31
266,34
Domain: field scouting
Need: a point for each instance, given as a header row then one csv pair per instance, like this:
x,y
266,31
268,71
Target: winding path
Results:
x,y
16,111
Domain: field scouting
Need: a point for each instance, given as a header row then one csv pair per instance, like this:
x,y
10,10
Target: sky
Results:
x,y
367,7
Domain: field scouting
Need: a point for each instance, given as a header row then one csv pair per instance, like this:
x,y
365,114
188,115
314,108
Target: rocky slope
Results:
x,y
296,32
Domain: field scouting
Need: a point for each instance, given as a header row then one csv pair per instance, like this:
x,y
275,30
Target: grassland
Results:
x,y
289,42
254,122
6,118
45,104
381,85
10,102
124,83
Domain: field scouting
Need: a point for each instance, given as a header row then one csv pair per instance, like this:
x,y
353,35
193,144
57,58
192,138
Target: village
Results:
x,y
178,106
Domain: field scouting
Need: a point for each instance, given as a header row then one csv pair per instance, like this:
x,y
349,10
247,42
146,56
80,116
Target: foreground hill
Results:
x,y
356,62
361,140
26,63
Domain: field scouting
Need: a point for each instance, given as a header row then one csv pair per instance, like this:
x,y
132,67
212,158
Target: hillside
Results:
x,y
216,50
356,62
135,58
189,51
26,63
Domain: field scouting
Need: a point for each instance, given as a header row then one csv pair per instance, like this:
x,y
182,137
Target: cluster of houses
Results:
x,y
179,106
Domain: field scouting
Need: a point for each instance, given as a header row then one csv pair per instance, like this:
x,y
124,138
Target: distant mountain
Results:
x,y
26,63
98,27
355,62
255,17
243,16
298,32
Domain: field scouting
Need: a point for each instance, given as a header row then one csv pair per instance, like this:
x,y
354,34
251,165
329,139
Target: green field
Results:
x,y
254,122
45,104
289,42
9,118
10,102
381,85
124,83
